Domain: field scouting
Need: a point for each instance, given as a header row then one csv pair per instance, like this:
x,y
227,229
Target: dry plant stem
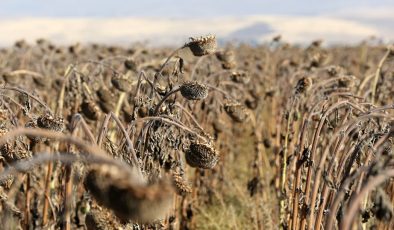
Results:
x,y
325,154
76,121
323,86
198,63
79,121
325,191
260,152
179,125
341,193
89,148
190,116
158,73
128,141
130,146
86,87
13,117
318,172
27,93
368,159
67,197
220,91
376,146
364,82
355,202
237,86
103,130
122,96
137,91
67,158
46,193
168,60
26,72
102,63
284,165
60,101
52,209
377,75
313,150
49,134
12,100
27,203
215,76
176,89
296,185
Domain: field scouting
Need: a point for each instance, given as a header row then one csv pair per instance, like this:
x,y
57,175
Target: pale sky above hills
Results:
x,y
170,22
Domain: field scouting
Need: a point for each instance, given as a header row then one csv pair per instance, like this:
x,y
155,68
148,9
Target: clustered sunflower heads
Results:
x,y
194,91
202,45
236,111
201,156
127,196
303,85
240,77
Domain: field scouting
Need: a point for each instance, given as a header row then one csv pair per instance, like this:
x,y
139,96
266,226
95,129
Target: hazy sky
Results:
x,y
178,8
173,21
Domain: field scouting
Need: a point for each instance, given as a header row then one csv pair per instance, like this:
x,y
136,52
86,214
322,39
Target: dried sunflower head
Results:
x,y
182,187
218,125
227,58
130,64
201,156
303,85
90,109
104,95
240,77
391,50
236,111
12,151
382,206
121,83
47,121
7,181
194,91
202,45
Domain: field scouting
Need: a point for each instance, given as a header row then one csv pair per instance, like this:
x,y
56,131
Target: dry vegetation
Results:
x,y
203,137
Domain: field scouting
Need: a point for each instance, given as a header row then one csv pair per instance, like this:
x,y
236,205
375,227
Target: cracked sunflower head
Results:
x,y
202,45
194,91
201,156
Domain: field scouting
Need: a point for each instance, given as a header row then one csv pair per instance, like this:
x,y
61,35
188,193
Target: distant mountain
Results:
x,y
251,34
